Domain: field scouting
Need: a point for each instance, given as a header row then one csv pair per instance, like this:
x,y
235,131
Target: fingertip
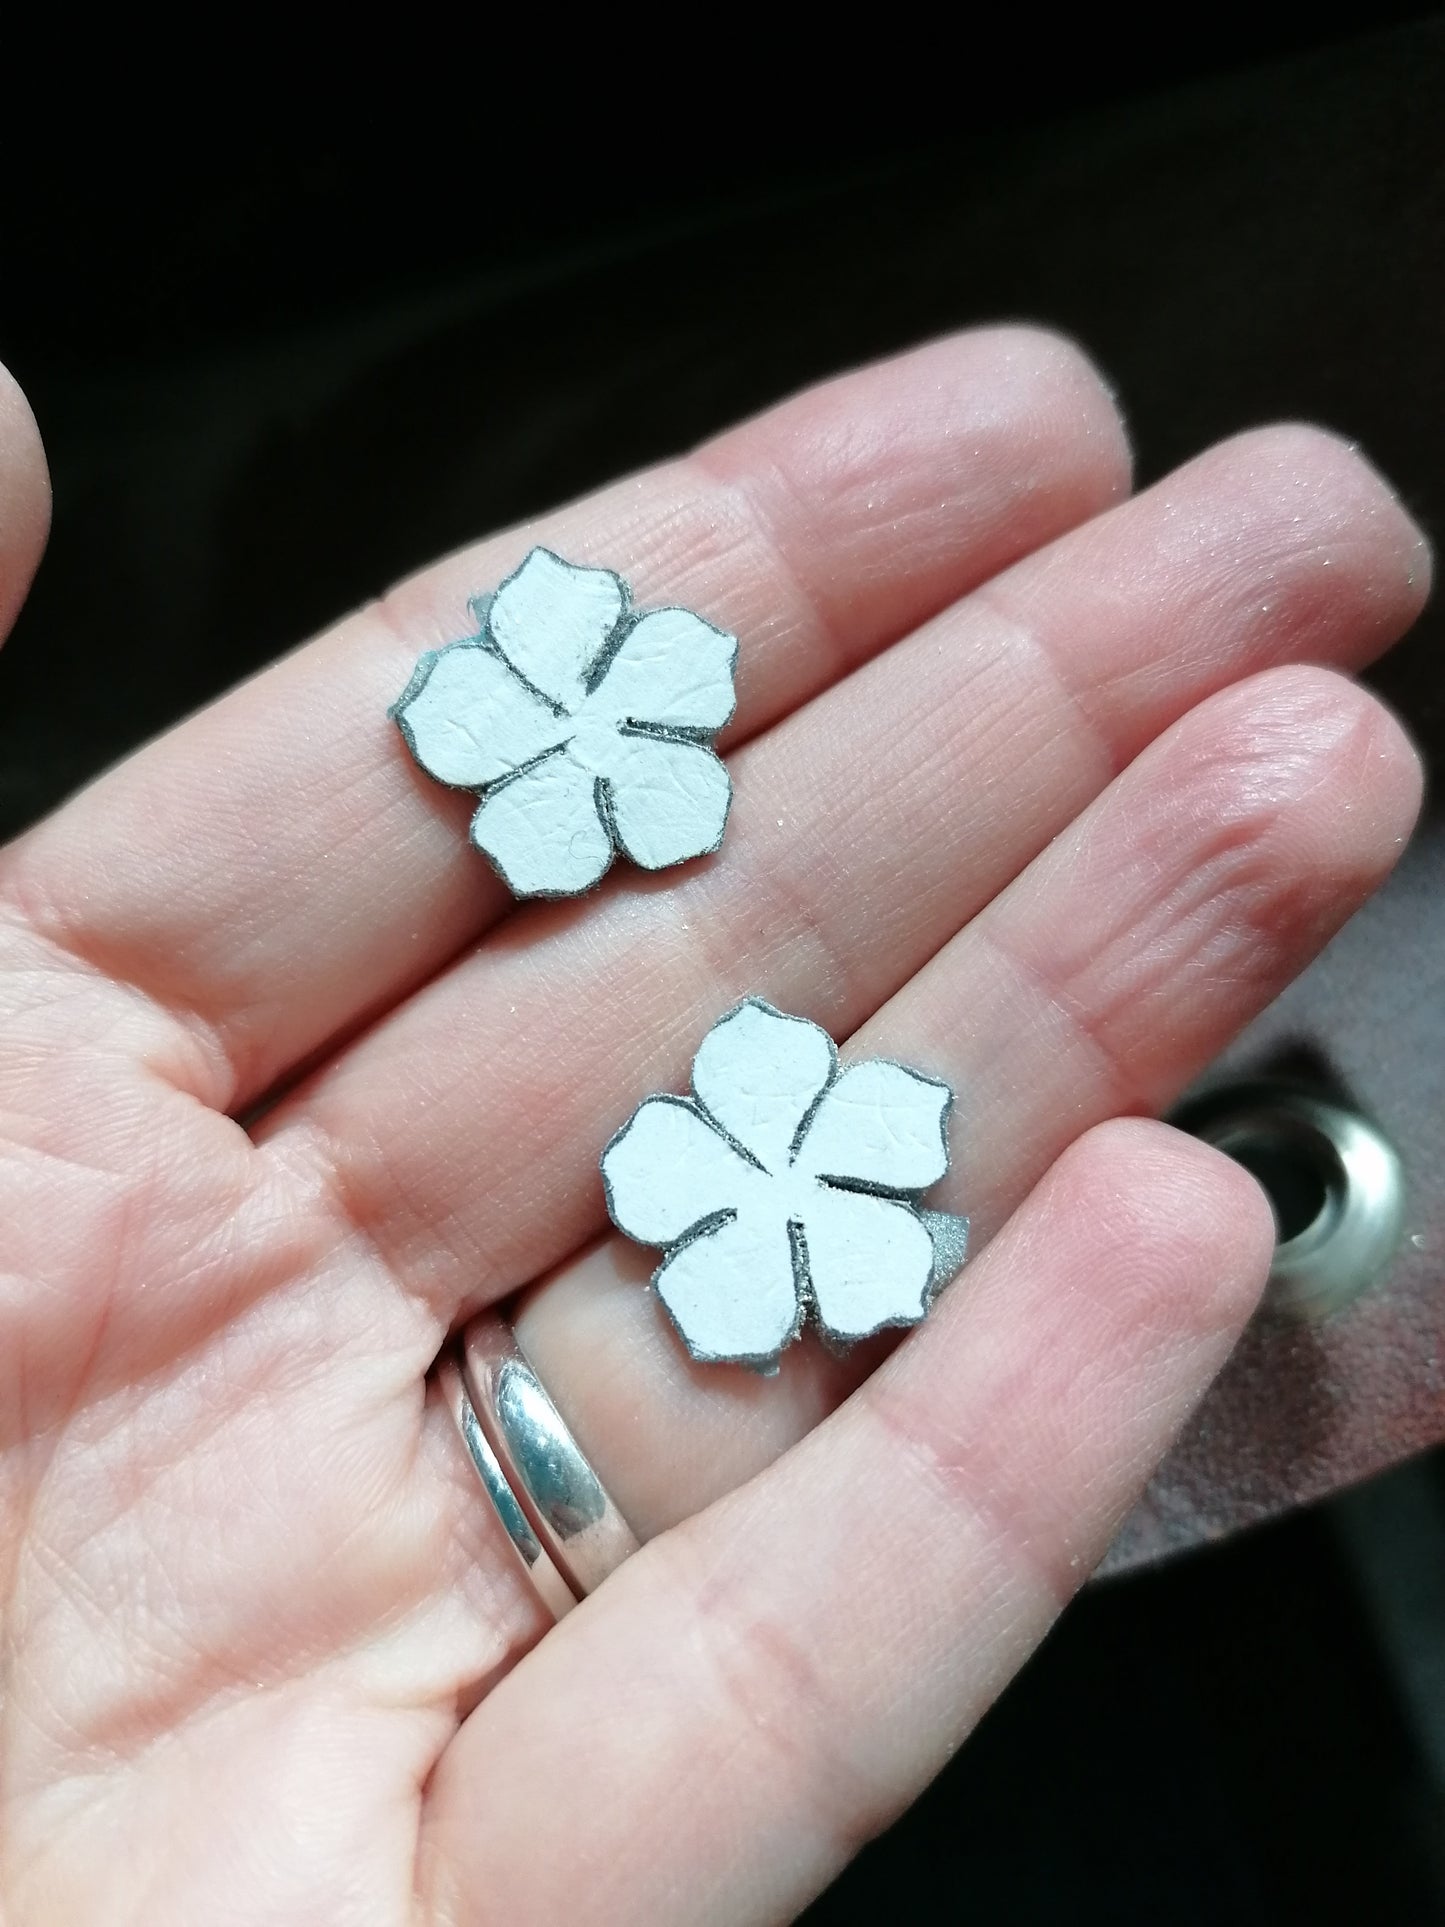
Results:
x,y
1306,763
1368,763
1192,1230
1359,494
24,498
985,443
1030,404
1053,376
1398,768
1355,530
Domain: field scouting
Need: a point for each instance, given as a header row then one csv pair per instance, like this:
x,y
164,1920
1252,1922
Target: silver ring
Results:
x,y
557,1596
533,1470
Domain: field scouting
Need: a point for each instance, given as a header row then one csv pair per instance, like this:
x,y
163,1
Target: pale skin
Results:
x,y
1041,787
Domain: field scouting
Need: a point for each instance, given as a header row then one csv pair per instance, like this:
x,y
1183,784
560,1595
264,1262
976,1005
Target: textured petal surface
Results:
x,y
669,800
880,1124
731,1293
470,721
673,669
870,1261
759,1073
551,620
542,830
667,1169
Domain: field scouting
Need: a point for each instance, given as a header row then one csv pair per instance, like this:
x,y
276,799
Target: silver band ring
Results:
x,y
555,1509
556,1595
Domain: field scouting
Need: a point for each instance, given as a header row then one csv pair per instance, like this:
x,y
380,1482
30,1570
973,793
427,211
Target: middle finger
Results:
x,y
462,1134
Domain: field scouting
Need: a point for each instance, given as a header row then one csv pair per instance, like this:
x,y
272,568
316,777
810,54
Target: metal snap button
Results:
x,y
1333,1180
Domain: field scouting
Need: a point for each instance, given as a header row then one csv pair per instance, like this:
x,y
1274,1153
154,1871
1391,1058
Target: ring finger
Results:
x,y
1194,888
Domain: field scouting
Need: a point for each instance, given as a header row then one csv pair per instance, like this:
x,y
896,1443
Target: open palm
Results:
x,y
1032,789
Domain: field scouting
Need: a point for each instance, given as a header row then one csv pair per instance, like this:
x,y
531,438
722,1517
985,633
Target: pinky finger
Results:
x,y
762,1689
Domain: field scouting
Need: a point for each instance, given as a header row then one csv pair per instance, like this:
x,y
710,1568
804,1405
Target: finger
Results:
x,y
1101,981
278,866
463,1133
24,499
759,1691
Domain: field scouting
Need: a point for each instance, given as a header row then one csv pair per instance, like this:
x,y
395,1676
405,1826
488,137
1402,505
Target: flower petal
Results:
x,y
469,720
667,1169
870,1262
672,669
758,1073
542,830
551,621
669,800
732,1293
882,1125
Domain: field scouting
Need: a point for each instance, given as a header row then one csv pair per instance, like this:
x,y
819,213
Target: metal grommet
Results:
x,y
1334,1182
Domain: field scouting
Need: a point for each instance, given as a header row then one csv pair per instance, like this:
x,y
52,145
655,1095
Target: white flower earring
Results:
x,y
786,1186
585,726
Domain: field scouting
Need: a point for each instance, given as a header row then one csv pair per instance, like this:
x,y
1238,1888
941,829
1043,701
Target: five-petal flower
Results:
x,y
584,724
783,1185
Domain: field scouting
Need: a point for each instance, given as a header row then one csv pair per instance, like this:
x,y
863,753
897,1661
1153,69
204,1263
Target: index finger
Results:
x,y
276,869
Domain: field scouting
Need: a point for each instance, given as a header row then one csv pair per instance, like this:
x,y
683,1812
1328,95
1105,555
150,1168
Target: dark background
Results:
x,y
275,374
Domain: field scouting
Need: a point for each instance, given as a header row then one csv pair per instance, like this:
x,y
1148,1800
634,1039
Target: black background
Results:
x,y
274,373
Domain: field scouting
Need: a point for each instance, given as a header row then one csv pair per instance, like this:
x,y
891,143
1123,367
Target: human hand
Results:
x,y
1032,790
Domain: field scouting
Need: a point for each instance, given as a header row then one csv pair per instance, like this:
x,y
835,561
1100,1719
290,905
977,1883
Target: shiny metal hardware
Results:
x,y
543,1469
1334,1182
555,1592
